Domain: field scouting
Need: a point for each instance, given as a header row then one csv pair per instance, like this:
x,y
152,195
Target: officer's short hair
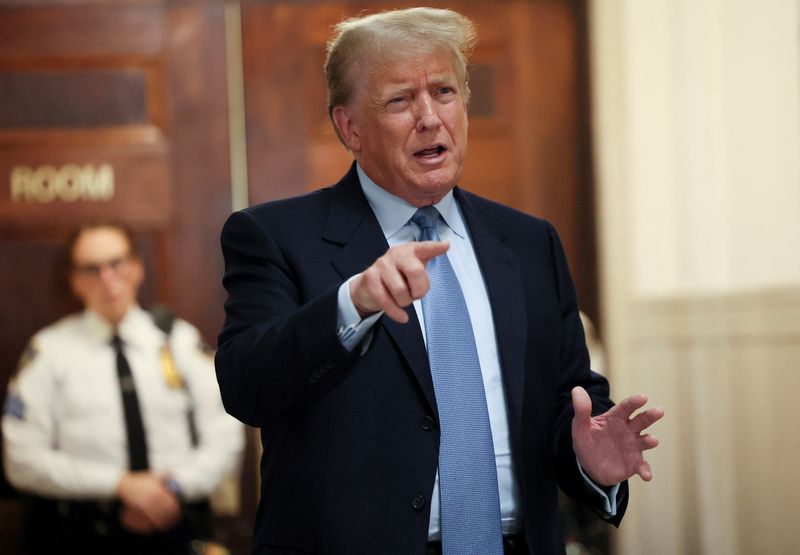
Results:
x,y
90,226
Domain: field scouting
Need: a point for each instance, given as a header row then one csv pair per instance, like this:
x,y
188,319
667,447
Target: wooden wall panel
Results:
x,y
82,30
201,191
131,183
52,99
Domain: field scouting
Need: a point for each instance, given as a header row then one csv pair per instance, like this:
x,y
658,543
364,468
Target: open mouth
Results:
x,y
432,152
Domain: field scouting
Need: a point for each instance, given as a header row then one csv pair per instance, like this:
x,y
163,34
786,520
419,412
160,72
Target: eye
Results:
x,y
92,269
116,263
445,90
397,104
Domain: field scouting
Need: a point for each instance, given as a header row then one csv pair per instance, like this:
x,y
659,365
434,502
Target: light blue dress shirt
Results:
x,y
394,214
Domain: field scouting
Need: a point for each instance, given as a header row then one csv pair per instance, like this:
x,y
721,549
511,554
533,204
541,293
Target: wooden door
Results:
x,y
528,135
109,110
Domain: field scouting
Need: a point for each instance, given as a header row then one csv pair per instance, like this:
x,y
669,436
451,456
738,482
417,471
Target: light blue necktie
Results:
x,y
470,502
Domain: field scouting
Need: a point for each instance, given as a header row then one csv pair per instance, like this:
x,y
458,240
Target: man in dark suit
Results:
x,y
355,337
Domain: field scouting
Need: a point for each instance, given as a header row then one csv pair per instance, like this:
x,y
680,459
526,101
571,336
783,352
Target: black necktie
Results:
x,y
137,443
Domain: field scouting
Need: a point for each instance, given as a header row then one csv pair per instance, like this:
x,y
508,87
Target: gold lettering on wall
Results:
x,y
70,183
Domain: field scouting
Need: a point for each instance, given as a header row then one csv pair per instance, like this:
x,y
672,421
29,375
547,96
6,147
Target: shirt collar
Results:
x,y
135,326
393,213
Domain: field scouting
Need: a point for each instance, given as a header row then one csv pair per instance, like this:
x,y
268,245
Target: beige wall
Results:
x,y
697,132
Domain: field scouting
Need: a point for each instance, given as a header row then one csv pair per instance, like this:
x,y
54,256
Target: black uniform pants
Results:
x,y
91,528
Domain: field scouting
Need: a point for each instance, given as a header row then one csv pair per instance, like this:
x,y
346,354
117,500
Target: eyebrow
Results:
x,y
108,260
400,87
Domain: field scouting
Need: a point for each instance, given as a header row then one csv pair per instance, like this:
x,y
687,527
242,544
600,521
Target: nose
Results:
x,y
108,275
427,115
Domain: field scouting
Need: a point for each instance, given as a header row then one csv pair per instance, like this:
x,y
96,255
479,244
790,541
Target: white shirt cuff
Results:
x,y
351,329
609,493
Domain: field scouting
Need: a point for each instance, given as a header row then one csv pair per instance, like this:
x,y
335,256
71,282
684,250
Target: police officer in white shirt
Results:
x,y
70,431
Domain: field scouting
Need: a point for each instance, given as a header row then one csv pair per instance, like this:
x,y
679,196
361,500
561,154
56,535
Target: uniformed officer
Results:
x,y
109,479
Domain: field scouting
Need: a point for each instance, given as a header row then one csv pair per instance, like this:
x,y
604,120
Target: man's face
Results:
x,y
407,127
105,275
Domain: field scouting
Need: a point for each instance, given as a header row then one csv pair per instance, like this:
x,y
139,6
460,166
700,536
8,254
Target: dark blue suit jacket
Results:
x,y
350,451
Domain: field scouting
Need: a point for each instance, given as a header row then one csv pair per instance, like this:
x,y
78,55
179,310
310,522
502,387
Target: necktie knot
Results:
x,y
116,342
426,218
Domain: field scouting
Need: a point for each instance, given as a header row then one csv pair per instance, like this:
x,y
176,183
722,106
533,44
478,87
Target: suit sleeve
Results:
x,y
278,354
574,371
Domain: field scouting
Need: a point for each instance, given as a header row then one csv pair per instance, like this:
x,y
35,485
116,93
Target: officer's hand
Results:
x,y
145,494
135,521
395,280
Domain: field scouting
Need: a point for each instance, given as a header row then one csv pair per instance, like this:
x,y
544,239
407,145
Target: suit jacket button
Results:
x,y
417,502
427,424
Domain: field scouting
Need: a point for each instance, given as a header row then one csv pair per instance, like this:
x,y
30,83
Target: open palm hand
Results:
x,y
610,446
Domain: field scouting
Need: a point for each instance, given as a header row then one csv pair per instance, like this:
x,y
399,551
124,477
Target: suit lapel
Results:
x,y
502,273
352,224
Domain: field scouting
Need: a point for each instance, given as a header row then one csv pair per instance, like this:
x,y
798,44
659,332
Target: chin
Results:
x,y
438,184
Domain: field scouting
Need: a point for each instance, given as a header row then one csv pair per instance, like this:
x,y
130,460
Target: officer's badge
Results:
x,y
169,369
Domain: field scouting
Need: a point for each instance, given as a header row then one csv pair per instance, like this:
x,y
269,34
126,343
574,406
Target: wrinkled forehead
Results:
x,y
398,63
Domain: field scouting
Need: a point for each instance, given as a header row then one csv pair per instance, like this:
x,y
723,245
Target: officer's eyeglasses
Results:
x,y
117,265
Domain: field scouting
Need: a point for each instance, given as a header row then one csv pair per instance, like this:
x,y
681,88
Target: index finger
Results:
x,y
425,250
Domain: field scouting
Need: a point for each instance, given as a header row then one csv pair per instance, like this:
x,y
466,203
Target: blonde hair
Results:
x,y
371,42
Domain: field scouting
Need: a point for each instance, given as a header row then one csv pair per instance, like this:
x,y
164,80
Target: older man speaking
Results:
x,y
412,352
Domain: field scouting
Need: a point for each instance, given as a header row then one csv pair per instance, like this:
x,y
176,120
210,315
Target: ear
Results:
x,y
76,286
348,129
137,271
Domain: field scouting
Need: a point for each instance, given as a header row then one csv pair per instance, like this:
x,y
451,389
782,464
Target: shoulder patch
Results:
x,y
14,406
